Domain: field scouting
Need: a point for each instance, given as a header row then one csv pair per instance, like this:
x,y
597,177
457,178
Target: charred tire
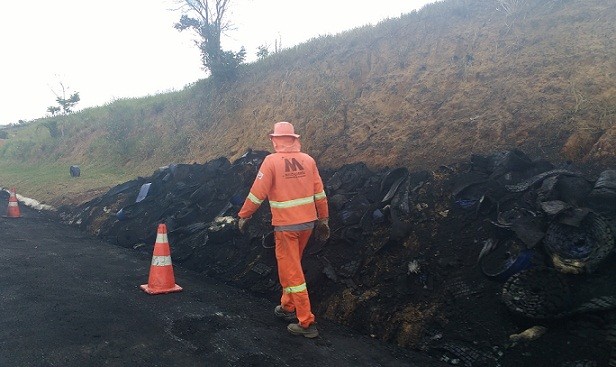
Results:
x,y
537,293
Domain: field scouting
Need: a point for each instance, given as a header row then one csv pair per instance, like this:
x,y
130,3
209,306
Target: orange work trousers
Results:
x,y
289,249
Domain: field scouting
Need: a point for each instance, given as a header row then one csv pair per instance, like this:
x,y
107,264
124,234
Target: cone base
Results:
x,y
10,216
149,290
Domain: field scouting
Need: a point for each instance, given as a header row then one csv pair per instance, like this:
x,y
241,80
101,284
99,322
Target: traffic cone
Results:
x,y
13,209
161,279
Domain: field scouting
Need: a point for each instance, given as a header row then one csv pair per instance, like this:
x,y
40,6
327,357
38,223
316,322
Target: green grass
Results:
x,y
53,184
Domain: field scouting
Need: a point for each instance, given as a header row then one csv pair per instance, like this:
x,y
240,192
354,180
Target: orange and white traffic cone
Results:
x,y
161,279
13,209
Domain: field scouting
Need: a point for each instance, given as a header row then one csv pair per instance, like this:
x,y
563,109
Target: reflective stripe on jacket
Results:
x,y
293,186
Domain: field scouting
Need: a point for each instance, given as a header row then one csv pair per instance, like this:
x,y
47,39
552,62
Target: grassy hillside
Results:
x,y
429,88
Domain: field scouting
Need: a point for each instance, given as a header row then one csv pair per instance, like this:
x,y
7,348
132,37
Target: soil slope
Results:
x,y
456,78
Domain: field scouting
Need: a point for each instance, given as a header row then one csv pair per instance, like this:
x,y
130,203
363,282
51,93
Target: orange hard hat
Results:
x,y
284,129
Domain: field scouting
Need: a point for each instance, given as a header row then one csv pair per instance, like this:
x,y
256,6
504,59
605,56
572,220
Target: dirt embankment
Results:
x,y
455,79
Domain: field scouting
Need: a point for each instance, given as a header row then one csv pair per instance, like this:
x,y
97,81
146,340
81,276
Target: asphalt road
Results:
x,y
68,299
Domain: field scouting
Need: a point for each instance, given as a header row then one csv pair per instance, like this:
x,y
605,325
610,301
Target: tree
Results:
x,y
53,110
262,52
207,19
66,104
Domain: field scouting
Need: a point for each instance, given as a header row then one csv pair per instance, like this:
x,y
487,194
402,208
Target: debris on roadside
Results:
x,y
472,251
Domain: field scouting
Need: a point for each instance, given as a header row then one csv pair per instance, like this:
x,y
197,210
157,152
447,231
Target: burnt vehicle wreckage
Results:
x,y
500,260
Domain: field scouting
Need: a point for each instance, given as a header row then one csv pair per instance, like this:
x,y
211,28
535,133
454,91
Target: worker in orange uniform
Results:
x,y
290,180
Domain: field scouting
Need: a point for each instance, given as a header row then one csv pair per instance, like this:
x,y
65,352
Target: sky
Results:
x,y
115,49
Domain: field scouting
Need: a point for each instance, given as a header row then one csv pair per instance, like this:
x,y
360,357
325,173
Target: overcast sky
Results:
x,y
114,49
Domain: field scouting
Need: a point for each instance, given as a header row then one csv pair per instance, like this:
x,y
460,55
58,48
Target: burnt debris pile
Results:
x,y
488,262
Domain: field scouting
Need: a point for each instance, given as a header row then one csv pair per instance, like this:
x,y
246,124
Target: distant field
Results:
x,y
53,184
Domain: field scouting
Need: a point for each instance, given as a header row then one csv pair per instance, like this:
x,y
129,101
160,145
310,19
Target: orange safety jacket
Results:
x,y
293,186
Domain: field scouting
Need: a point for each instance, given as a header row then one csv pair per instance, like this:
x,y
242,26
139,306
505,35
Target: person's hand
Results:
x,y
321,232
242,223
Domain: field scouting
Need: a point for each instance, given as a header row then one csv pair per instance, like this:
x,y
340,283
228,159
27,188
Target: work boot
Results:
x,y
309,332
285,315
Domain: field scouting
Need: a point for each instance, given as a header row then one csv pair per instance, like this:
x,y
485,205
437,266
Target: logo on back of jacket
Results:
x,y
293,169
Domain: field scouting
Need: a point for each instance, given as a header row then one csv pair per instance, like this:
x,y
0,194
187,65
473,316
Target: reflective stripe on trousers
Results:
x,y
296,289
